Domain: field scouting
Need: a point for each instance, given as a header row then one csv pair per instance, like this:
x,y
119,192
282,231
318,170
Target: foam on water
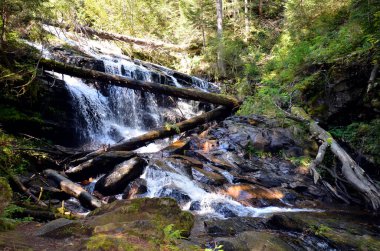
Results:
x,y
212,204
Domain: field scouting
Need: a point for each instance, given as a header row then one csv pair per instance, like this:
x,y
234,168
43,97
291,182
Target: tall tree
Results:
x,y
219,25
260,8
246,18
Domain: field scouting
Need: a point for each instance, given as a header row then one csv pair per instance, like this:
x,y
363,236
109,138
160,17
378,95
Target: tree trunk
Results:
x,y
105,78
101,164
38,215
219,25
261,7
3,25
372,78
73,189
246,19
352,172
163,132
118,179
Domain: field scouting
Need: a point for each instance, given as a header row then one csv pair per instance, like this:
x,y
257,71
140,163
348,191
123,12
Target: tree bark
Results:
x,y
101,164
163,132
21,188
219,25
260,8
36,214
105,78
351,171
118,179
318,160
120,37
372,78
73,189
246,19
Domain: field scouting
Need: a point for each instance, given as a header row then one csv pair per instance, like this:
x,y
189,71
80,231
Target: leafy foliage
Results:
x,y
364,136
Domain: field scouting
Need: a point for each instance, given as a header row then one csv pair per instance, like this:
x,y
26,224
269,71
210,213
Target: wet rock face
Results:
x,y
250,157
245,158
252,240
135,189
338,94
256,132
49,116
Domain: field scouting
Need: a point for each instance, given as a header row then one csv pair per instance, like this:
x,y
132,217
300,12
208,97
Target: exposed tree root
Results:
x,y
318,160
351,171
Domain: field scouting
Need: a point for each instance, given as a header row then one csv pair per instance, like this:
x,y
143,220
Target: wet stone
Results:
x,y
195,206
176,194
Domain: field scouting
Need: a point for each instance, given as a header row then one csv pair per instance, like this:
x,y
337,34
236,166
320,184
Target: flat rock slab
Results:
x,y
63,228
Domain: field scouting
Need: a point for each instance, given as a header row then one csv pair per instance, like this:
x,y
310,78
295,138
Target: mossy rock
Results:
x,y
122,243
252,240
162,211
12,115
343,230
5,198
5,194
138,224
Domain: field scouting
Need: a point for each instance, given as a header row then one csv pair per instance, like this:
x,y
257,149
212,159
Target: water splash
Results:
x,y
202,201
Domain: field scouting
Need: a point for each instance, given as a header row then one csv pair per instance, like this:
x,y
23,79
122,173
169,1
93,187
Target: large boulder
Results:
x,y
253,240
138,224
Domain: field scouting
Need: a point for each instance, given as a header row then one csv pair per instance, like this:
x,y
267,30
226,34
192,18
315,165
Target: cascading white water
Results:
x,y
110,114
161,183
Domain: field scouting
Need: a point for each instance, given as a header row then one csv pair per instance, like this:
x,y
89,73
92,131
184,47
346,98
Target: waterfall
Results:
x,y
110,114
107,114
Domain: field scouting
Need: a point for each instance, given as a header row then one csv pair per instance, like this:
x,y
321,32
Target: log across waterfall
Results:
x,y
109,79
220,112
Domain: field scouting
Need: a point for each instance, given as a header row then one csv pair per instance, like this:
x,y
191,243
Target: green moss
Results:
x,y
108,242
5,194
156,222
11,114
364,137
345,239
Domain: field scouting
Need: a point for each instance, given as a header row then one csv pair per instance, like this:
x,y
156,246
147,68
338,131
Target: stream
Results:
x,y
108,115
238,176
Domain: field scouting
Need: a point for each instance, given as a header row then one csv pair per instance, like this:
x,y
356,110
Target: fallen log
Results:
x,y
118,179
120,37
372,78
105,78
98,165
37,215
15,181
73,189
50,192
220,112
351,171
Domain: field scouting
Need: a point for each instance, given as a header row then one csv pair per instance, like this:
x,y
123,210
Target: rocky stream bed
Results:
x,y
250,191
